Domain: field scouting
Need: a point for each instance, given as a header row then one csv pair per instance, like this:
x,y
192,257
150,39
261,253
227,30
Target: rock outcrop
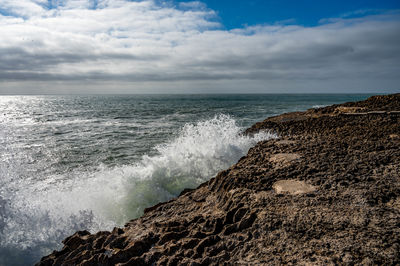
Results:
x,y
326,192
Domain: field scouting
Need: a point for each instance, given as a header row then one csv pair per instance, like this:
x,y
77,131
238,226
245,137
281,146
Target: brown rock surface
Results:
x,y
351,216
293,187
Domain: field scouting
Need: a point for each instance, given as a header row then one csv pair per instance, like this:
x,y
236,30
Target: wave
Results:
x,y
35,215
319,106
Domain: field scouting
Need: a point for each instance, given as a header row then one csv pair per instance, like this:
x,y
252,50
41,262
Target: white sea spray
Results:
x,y
40,213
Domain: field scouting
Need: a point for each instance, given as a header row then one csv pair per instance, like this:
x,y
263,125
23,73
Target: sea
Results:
x,y
94,162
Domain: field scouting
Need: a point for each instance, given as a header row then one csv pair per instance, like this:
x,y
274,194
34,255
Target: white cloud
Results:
x,y
26,8
147,43
193,5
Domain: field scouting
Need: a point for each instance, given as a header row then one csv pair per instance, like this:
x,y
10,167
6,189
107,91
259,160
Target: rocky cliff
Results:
x,y
326,192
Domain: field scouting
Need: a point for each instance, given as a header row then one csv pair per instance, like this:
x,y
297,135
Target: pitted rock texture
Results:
x,y
350,217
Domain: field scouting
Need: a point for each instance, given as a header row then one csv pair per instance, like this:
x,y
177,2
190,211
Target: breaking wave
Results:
x,y
35,215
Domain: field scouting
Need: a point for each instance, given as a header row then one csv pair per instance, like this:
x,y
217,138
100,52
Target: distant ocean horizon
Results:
x,y
93,162
196,94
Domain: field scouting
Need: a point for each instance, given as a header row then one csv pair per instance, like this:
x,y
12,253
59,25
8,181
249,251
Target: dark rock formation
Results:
x,y
327,192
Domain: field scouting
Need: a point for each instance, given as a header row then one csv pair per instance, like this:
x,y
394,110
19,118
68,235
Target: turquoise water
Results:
x,y
71,163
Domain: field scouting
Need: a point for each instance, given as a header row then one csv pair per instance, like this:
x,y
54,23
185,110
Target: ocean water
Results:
x,y
71,163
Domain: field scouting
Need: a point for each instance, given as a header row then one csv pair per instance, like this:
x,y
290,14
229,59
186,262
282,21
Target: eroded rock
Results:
x,y
293,187
284,159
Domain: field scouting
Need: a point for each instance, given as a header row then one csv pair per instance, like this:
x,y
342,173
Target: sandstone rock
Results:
x,y
346,109
285,142
284,159
293,187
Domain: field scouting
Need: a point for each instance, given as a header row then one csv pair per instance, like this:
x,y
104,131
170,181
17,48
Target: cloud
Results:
x,y
193,5
156,42
23,8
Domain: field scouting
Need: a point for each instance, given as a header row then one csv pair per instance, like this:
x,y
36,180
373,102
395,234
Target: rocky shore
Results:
x,y
326,192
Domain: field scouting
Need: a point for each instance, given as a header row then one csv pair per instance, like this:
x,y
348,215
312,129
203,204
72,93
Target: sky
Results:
x,y
210,46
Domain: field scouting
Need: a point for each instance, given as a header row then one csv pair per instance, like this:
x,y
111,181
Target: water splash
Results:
x,y
38,214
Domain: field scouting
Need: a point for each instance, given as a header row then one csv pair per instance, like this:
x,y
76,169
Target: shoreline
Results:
x,y
326,192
